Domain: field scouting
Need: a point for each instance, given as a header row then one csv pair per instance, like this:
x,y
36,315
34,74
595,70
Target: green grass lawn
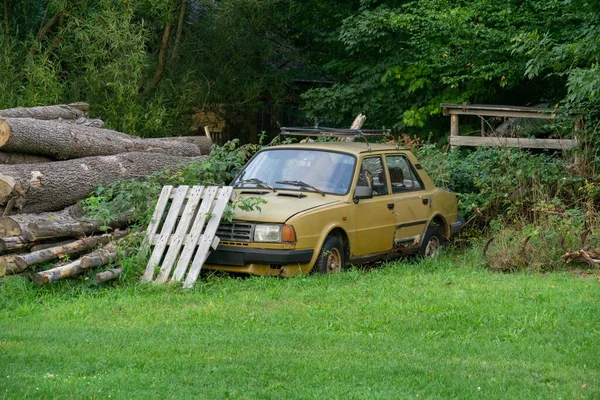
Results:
x,y
442,328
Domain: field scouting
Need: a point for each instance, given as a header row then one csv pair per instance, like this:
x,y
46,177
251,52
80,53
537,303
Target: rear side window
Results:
x,y
402,175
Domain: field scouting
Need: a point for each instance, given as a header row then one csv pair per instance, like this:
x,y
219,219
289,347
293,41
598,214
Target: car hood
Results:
x,y
282,205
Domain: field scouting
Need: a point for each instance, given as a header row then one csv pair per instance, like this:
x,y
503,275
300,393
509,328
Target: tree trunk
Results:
x,y
56,185
20,158
66,141
162,55
52,253
204,143
6,27
179,34
64,111
108,275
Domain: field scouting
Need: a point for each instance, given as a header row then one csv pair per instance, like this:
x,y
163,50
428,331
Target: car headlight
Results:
x,y
267,233
274,233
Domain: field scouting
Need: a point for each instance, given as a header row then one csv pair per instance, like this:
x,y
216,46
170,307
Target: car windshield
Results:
x,y
294,169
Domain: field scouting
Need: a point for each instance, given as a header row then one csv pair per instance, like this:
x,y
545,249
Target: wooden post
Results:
x,y
453,128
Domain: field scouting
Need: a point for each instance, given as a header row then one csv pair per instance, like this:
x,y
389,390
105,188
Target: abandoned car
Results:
x,y
329,204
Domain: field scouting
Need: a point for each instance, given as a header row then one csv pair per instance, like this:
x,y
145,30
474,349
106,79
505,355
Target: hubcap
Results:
x,y
432,247
334,261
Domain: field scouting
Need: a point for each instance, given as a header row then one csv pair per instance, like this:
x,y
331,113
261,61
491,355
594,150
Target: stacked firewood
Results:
x,y
51,157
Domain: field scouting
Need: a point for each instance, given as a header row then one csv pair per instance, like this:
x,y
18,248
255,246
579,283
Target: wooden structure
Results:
x,y
455,110
187,219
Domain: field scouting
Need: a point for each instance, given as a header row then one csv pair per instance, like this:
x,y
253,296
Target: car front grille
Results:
x,y
240,231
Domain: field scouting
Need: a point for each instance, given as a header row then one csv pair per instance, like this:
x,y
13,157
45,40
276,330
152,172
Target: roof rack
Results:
x,y
336,132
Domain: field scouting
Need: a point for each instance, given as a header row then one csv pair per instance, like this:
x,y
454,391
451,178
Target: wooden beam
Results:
x,y
476,141
499,113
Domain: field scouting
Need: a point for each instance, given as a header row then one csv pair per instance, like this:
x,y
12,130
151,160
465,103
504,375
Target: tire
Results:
x,y
332,258
432,242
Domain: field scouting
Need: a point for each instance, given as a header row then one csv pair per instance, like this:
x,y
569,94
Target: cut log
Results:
x,y
64,111
58,273
13,243
7,263
16,225
54,186
20,158
204,143
52,253
108,275
102,256
98,257
70,141
77,228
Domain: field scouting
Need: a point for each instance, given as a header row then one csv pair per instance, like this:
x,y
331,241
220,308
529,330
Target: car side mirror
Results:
x,y
363,192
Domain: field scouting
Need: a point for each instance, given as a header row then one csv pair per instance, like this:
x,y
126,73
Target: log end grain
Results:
x,y
21,263
7,184
4,132
9,227
40,279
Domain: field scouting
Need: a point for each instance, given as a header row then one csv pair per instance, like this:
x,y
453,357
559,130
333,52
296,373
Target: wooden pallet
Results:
x,y
188,218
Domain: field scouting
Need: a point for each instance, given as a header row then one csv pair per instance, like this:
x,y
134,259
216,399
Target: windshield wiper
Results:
x,y
302,185
257,182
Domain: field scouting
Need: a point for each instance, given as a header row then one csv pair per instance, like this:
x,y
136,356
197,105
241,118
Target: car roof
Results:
x,y
343,147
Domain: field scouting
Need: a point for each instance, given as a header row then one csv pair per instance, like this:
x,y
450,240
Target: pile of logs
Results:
x,y
51,157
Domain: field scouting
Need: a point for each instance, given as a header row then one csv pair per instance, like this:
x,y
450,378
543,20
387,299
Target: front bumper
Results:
x,y
241,256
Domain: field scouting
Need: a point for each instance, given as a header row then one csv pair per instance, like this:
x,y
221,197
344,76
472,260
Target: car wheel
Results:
x,y
332,258
432,242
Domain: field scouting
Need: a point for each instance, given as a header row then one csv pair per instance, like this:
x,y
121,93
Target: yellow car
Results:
x,y
329,204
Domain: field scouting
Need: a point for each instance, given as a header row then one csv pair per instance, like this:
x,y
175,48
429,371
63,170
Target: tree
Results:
x,y
405,58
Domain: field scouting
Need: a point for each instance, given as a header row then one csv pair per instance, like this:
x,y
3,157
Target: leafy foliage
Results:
x,y
405,58
139,195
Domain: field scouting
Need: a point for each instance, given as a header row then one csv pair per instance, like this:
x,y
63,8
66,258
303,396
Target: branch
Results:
x,y
44,30
49,25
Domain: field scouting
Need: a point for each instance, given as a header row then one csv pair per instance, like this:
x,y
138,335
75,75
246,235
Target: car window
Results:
x,y
402,176
330,172
372,174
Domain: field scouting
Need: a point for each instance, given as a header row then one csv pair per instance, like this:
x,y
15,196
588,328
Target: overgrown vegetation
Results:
x,y
535,206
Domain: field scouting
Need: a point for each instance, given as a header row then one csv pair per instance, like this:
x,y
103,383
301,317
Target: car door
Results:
x,y
412,203
374,218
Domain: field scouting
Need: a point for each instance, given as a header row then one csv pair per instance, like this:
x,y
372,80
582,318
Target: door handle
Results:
x,y
425,201
390,206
